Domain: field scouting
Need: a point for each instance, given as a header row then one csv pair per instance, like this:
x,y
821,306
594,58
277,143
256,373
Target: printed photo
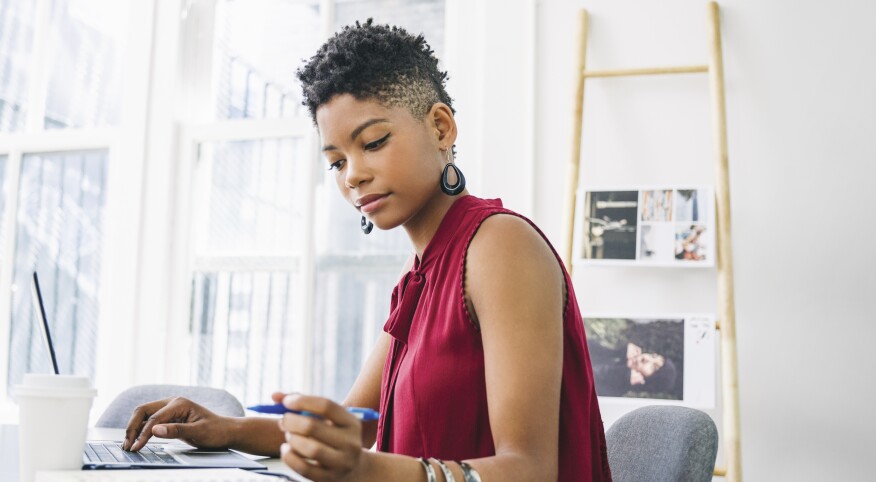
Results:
x,y
637,358
610,225
689,206
656,243
691,243
657,205
654,226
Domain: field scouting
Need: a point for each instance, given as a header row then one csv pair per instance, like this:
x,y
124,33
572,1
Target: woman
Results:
x,y
482,372
618,371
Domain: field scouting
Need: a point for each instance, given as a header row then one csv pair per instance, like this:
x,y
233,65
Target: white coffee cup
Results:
x,y
53,422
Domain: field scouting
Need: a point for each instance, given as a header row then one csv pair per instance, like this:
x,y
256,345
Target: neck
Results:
x,y
422,227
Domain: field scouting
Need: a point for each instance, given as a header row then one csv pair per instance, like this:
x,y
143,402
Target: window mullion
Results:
x,y
7,267
39,67
306,306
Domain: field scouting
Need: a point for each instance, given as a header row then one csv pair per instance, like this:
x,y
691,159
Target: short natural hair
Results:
x,y
663,380
375,62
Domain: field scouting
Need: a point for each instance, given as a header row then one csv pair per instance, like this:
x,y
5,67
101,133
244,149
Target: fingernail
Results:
x,y
290,399
159,430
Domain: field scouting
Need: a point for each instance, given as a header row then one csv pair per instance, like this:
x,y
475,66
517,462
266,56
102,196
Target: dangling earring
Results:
x,y
451,189
366,225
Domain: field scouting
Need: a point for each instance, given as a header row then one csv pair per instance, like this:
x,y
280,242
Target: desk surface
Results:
x,y
9,451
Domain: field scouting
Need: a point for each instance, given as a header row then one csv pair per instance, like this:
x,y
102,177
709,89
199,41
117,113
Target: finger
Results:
x,y
312,449
168,413
171,430
321,406
299,464
138,419
315,428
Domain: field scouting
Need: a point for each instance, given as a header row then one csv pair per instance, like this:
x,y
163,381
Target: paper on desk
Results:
x,y
162,475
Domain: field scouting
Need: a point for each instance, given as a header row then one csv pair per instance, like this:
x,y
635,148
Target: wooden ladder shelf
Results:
x,y
732,469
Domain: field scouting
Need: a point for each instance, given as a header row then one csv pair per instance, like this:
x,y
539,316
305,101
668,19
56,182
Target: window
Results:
x,y
16,44
59,224
60,113
287,293
159,171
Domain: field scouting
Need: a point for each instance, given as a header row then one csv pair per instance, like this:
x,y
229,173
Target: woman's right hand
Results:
x,y
633,351
177,418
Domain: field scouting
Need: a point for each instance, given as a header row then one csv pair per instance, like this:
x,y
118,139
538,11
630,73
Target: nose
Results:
x,y
356,172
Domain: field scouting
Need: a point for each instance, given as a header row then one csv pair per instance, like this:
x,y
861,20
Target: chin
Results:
x,y
384,221
385,226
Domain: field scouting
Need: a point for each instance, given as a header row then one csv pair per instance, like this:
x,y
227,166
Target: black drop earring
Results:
x,y
452,189
366,225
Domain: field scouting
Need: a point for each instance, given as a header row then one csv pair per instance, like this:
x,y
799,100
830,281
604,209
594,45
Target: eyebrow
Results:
x,y
357,131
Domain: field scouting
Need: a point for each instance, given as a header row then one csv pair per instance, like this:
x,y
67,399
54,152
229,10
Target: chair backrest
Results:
x,y
662,443
118,413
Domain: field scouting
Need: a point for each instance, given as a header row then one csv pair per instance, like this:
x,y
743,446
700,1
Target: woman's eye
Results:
x,y
336,166
374,145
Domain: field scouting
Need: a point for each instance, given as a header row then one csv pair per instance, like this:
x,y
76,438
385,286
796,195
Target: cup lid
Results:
x,y
47,385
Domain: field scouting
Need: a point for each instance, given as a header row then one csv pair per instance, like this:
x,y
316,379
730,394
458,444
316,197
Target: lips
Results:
x,y
370,202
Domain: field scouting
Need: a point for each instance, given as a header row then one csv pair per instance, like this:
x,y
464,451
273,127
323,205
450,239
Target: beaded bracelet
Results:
x,y
469,474
430,472
448,475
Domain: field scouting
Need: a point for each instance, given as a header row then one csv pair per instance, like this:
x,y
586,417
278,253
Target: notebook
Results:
x,y
109,454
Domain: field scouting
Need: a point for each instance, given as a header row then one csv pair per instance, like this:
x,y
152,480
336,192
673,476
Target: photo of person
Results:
x,y
637,358
657,205
688,206
690,243
610,225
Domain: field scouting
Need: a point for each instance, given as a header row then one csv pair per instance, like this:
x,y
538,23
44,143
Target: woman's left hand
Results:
x,y
321,449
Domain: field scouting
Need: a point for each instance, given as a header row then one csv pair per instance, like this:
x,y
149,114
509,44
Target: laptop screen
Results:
x,y
44,323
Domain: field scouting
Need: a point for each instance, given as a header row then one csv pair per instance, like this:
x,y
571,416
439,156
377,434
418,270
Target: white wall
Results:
x,y
801,101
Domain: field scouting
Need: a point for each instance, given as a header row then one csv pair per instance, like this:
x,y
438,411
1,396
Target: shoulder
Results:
x,y
508,249
508,238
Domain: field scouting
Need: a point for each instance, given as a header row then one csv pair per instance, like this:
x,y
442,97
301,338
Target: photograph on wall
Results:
x,y
649,227
656,243
690,242
657,205
688,206
653,358
610,219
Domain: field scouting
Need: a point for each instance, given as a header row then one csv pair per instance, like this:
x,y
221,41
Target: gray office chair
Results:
x,y
662,443
118,413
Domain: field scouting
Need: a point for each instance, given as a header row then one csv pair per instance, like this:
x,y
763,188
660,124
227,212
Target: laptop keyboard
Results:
x,y
112,453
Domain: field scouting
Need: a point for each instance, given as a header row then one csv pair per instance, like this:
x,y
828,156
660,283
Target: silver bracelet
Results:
x,y
430,472
469,474
448,475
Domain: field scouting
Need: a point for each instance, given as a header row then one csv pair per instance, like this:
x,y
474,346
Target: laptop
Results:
x,y
108,454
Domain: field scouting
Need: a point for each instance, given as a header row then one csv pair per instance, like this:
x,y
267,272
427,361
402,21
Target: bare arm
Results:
x,y
515,284
186,420
366,389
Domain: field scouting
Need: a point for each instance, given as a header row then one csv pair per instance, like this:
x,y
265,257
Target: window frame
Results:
x,y
146,272
120,239
192,132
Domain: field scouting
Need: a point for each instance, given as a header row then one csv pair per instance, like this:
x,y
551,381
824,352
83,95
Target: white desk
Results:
x,y
9,451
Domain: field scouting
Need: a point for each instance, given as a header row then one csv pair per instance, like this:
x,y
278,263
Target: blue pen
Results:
x,y
363,414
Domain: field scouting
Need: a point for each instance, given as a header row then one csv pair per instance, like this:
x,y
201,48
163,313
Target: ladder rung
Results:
x,y
647,71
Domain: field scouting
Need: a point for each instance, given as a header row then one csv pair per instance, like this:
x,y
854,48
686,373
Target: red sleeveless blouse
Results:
x,y
433,398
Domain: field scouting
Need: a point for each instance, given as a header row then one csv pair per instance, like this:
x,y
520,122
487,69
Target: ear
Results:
x,y
442,124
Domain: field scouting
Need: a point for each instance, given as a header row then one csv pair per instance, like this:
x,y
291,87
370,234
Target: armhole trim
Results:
x,y
470,237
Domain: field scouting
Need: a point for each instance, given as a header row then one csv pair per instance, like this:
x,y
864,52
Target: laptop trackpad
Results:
x,y
212,458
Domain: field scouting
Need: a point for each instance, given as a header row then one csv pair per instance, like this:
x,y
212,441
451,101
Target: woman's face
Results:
x,y
387,163
648,363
